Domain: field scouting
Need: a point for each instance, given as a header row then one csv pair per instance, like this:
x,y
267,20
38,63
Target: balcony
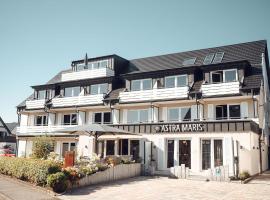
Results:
x,y
78,101
37,130
86,74
35,104
215,89
155,94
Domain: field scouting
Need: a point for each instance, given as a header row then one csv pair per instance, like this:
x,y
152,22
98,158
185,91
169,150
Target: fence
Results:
x,y
117,172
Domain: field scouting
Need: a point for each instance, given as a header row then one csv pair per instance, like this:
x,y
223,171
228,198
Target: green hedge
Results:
x,y
32,170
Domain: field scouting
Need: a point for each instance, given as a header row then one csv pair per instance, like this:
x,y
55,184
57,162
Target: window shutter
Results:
x,y
210,112
244,110
90,118
124,116
31,120
194,112
51,120
59,118
228,154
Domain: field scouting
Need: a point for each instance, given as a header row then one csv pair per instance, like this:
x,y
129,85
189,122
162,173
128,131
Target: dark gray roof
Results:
x,y
250,51
114,94
252,81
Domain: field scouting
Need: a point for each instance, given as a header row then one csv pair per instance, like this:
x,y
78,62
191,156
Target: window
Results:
x,y
68,146
228,112
218,153
72,91
70,119
206,154
142,84
135,149
137,116
218,57
179,114
102,118
110,147
99,89
170,153
41,120
175,81
93,65
189,61
230,75
224,76
123,147
213,58
208,59
42,94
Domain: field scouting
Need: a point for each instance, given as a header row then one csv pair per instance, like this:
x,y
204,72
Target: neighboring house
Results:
x,y
204,108
7,137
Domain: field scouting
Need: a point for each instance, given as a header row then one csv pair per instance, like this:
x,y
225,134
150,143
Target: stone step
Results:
x,y
197,178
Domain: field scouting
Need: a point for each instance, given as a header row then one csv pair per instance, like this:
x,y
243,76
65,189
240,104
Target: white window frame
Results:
x,y
141,84
179,113
69,145
72,91
228,110
175,80
223,75
212,153
99,86
46,124
138,115
102,117
70,116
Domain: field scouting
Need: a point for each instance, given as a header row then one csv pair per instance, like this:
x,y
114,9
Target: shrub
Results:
x,y
244,175
58,182
32,170
42,147
113,160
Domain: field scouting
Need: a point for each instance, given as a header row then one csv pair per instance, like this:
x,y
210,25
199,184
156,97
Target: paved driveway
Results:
x,y
171,189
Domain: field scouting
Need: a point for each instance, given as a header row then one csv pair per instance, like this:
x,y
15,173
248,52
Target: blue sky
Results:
x,y
40,38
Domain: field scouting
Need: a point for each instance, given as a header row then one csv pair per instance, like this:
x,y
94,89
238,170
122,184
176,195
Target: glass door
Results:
x,y
170,153
206,154
184,153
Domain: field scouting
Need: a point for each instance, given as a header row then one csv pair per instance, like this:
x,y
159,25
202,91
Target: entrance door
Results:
x,y
170,154
184,153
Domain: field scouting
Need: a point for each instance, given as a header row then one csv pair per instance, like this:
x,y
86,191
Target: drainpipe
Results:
x,y
260,153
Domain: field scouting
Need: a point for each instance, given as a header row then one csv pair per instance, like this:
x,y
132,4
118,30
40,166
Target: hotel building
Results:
x,y
203,108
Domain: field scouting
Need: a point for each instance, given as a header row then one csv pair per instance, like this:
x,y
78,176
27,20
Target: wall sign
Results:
x,y
166,128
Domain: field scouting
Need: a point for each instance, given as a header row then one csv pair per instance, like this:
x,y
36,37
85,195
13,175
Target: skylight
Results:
x,y
189,61
208,58
218,57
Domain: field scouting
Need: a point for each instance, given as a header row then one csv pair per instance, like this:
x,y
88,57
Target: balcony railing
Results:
x,y
85,74
154,94
30,130
214,89
35,104
78,100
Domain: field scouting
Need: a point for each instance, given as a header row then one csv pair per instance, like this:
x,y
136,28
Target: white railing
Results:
x,y
78,101
85,74
23,130
34,104
155,94
220,88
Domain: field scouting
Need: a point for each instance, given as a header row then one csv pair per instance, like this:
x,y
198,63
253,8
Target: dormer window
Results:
x,y
176,81
93,65
72,91
41,94
221,76
99,89
142,84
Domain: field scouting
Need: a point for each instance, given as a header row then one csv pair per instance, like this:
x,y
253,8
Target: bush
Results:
x,y
42,146
32,170
244,175
113,160
58,182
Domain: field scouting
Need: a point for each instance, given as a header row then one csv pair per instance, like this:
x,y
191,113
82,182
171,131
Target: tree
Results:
x,y
42,146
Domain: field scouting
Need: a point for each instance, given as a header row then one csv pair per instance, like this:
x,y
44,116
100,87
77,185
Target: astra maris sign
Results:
x,y
174,128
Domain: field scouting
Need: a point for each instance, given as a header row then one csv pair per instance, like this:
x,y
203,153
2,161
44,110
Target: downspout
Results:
x,y
260,153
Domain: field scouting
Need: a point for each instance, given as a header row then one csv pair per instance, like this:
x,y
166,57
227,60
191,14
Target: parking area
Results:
x,y
165,188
